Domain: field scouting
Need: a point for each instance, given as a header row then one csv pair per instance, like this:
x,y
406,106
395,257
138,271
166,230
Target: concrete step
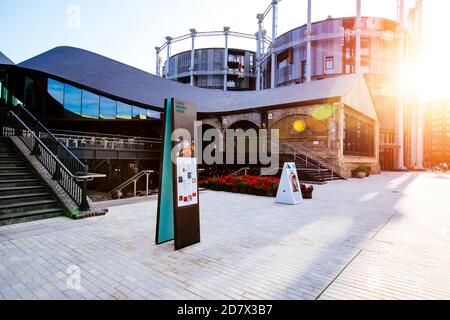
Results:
x,y
28,206
24,198
19,183
10,191
16,176
13,163
30,215
9,169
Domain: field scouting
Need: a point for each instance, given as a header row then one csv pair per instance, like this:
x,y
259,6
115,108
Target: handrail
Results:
x,y
133,179
239,171
75,185
308,154
103,135
55,140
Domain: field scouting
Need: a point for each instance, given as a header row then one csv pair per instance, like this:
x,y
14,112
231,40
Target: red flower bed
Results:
x,y
263,186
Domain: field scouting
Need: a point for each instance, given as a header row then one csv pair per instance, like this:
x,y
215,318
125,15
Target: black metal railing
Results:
x,y
67,170
64,155
77,139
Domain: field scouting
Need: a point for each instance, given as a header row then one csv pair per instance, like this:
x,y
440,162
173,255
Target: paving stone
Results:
x,y
356,239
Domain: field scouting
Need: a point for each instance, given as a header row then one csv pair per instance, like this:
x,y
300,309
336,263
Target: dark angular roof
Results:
x,y
5,60
123,81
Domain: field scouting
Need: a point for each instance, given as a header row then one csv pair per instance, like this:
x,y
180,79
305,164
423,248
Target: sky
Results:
x,y
128,30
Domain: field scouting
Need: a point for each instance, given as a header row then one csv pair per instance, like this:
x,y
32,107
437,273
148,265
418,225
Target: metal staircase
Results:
x,y
311,167
65,169
23,196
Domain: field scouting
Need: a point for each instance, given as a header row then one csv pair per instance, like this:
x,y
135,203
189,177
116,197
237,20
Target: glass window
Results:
x,y
108,108
90,105
123,111
56,90
153,114
72,99
139,113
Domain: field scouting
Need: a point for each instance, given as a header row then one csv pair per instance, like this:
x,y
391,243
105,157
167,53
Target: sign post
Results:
x,y
178,202
289,191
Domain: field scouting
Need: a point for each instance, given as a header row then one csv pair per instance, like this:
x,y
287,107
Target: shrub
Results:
x,y
244,184
365,169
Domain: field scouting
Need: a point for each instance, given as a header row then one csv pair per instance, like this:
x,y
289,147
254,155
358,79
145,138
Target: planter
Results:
x,y
259,192
235,189
361,174
307,195
270,193
243,189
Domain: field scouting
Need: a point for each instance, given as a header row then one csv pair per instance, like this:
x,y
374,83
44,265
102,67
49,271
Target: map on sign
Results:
x,y
187,184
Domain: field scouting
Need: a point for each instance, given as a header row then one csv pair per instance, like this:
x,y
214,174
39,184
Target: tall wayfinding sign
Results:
x,y
178,202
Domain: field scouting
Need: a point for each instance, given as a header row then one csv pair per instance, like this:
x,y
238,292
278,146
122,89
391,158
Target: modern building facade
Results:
x,y
437,133
333,120
374,46
333,50
210,70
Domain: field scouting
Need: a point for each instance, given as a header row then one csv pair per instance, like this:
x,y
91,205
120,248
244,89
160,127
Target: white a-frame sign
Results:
x,y
289,191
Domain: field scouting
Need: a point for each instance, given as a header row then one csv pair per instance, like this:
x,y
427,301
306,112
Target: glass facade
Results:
x,y
56,90
89,105
72,99
123,111
139,113
108,108
359,137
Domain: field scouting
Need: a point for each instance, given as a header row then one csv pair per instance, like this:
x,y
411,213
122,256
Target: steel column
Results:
x,y
274,36
158,61
358,37
226,32
258,51
193,35
420,109
308,34
401,99
169,47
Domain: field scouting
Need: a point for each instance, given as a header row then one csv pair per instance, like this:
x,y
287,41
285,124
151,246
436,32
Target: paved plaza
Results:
x,y
384,237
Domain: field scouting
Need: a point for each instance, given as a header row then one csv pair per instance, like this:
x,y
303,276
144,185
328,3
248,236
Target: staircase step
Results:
x,y
28,206
15,176
14,169
24,197
9,191
18,183
30,215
